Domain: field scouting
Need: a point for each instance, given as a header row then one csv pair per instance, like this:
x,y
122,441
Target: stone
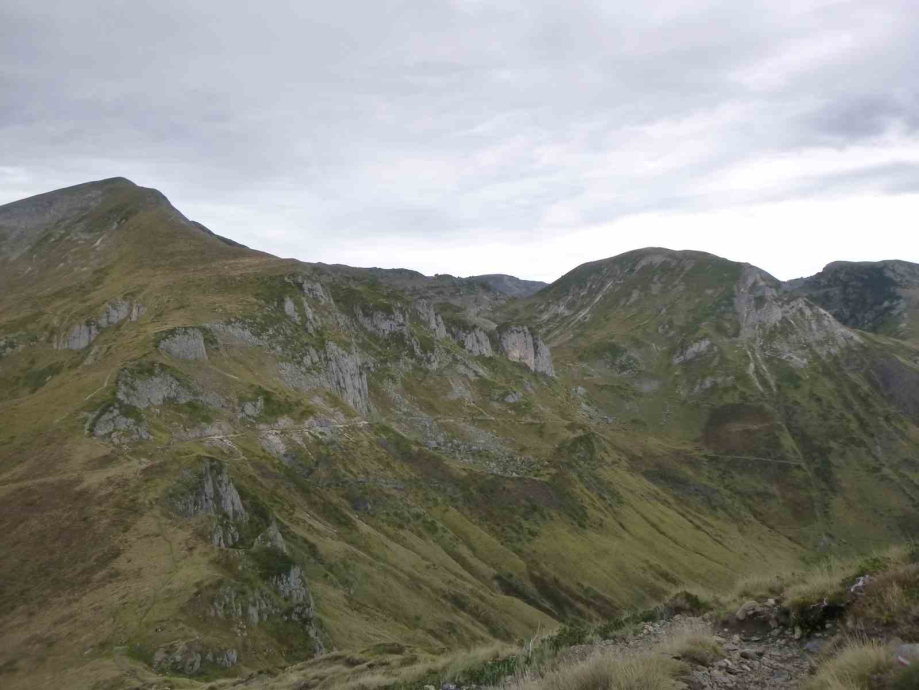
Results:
x,y
745,610
519,345
291,310
184,343
117,424
909,652
214,495
82,334
798,632
814,646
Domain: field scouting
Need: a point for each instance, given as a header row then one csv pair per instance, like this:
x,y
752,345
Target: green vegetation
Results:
x,y
476,503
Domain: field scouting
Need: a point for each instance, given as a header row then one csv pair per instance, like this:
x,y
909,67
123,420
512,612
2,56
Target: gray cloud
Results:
x,y
303,128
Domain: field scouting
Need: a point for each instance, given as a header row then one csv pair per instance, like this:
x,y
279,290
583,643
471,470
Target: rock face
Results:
x,y
155,385
334,369
474,341
184,343
286,598
763,313
346,376
215,495
186,658
291,585
381,322
291,310
871,296
693,350
519,345
82,334
117,424
432,319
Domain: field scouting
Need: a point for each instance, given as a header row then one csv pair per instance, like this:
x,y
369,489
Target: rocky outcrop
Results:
x,y
347,377
292,587
474,341
82,334
272,538
118,423
291,310
334,369
381,322
519,345
431,319
78,337
9,345
183,343
288,599
693,350
154,384
870,296
311,289
186,658
764,314
214,494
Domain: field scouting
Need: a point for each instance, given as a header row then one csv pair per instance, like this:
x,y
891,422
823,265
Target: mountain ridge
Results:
x,y
275,459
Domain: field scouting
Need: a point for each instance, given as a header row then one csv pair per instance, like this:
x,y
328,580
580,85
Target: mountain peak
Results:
x,y
509,285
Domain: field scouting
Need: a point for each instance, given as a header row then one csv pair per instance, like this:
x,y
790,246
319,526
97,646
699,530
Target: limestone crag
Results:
x,y
381,322
291,586
291,310
475,341
341,372
236,601
82,334
214,494
519,345
184,343
272,538
694,350
155,384
432,319
186,658
762,311
117,424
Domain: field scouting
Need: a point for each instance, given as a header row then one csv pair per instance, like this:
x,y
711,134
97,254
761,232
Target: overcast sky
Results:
x,y
471,137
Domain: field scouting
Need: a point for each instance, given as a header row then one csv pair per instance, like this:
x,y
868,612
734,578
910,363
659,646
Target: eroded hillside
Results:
x,y
215,461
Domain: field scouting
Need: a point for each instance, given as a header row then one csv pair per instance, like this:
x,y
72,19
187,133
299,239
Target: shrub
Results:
x,y
569,636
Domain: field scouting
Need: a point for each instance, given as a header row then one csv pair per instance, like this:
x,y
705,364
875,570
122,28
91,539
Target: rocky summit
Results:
x,y
216,463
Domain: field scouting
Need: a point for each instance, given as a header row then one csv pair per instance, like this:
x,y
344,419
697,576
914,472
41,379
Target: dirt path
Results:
x,y
752,662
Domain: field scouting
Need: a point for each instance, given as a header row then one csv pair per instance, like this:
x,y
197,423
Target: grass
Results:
x,y
694,642
608,672
434,531
855,668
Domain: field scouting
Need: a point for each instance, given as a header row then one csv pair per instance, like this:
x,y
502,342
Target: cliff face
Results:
x,y
880,297
232,462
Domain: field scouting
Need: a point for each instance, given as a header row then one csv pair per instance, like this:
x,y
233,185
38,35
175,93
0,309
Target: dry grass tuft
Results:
x,y
609,672
854,668
693,642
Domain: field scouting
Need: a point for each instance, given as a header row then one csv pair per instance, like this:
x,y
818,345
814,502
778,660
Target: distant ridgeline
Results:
x,y
215,461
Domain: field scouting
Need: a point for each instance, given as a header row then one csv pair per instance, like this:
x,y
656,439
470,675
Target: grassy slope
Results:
x,y
585,516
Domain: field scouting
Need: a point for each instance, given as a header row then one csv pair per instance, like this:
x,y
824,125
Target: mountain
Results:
x,y
214,461
509,285
877,296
